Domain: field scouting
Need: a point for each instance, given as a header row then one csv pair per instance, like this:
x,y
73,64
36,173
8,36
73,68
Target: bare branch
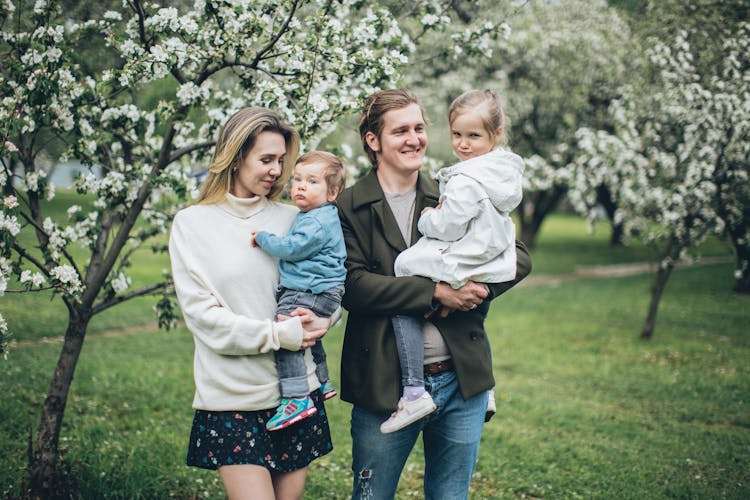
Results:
x,y
276,38
42,289
100,247
189,149
26,255
147,290
137,6
461,13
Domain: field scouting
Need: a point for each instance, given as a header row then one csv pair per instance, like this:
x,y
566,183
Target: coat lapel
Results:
x,y
427,196
387,223
369,192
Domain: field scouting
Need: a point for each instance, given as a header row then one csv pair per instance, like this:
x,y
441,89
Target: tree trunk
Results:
x,y
44,480
604,197
533,210
617,238
742,284
529,229
660,283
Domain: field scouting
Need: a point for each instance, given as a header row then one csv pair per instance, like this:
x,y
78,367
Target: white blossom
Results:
x,y
120,283
67,277
36,279
113,15
429,19
10,224
73,210
10,202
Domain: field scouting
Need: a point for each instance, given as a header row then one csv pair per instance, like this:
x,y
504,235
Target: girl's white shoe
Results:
x,y
408,412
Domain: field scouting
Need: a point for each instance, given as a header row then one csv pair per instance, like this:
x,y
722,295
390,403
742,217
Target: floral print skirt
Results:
x,y
240,437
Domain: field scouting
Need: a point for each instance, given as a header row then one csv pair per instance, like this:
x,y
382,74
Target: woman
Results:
x,y
226,289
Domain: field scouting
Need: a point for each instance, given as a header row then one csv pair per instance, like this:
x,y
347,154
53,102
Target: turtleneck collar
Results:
x,y
244,208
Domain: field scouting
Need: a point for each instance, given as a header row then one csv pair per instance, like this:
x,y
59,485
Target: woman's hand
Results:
x,y
313,327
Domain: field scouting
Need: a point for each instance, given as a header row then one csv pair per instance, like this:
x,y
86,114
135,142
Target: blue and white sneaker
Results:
x,y
328,391
291,411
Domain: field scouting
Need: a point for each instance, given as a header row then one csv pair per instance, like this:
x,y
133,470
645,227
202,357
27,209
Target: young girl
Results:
x,y
468,236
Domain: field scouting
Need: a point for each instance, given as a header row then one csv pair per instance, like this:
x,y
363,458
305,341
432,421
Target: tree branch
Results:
x,y
100,247
137,6
189,149
106,304
42,235
276,38
26,255
95,281
461,13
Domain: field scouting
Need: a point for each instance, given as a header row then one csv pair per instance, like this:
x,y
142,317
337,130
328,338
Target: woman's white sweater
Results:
x,y
226,290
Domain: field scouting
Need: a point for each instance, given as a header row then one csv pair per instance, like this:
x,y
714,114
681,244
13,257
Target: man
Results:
x,y
379,218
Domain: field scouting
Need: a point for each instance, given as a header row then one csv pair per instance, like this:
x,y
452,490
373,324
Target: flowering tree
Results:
x,y
311,60
557,67
678,162
451,37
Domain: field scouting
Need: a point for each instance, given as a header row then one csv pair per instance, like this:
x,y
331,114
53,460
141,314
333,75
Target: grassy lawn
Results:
x,y
585,408
565,243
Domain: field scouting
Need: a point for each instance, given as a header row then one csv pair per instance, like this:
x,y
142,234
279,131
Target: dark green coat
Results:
x,y
370,373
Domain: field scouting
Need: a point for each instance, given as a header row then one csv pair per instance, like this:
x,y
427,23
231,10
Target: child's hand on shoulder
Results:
x,y
430,209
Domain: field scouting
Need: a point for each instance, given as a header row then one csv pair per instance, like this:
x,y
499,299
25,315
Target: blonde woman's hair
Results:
x,y
334,172
236,139
487,104
376,106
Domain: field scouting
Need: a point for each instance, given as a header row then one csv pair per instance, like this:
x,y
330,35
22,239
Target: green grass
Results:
x,y
590,410
585,408
565,243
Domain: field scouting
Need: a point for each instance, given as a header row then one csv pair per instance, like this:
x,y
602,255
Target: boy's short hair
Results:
x,y
334,172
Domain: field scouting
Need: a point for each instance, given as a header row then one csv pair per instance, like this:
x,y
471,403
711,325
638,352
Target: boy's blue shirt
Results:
x,y
312,254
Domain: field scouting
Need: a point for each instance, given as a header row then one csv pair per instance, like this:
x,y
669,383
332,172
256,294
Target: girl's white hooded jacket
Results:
x,y
471,236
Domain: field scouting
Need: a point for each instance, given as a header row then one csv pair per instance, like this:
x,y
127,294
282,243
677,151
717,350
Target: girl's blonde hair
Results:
x,y
487,104
236,139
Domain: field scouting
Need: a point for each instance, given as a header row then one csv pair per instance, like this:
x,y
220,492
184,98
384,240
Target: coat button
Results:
x,y
474,336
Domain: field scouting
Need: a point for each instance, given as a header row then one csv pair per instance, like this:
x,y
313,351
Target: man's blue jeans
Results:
x,y
450,435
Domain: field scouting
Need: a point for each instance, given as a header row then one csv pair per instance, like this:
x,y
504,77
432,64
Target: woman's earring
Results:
x,y
234,171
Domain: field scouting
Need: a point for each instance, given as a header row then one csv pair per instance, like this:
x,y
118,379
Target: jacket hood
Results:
x,y
499,172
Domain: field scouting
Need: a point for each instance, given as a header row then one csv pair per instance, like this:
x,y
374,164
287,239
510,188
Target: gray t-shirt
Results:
x,y
402,206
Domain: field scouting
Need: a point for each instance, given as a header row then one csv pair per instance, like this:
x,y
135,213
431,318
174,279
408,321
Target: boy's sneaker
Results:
x,y
328,391
491,407
408,412
291,411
